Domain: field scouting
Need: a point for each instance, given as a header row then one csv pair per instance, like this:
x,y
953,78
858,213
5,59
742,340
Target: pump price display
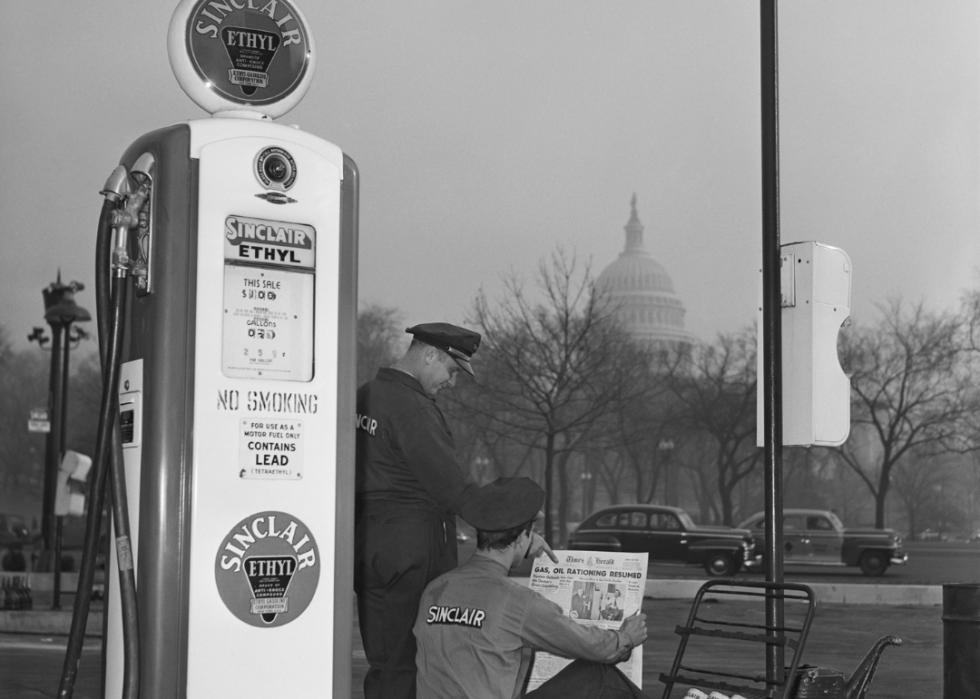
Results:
x,y
268,324
268,299
270,448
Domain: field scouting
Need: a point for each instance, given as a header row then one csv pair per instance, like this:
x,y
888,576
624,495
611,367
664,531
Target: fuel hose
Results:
x,y
111,292
117,471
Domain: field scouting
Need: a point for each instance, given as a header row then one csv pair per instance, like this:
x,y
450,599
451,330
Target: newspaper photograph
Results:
x,y
597,588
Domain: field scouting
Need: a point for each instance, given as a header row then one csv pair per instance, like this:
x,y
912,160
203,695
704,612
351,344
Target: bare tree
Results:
x,y
380,337
911,389
609,466
635,428
716,402
552,366
23,385
84,402
914,479
971,311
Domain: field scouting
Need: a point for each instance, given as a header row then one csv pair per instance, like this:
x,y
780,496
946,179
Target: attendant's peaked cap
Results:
x,y
504,504
458,343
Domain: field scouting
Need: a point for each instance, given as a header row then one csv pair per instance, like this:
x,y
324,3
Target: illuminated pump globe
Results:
x,y
642,293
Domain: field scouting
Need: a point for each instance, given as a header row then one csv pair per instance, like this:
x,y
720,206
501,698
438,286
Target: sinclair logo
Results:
x,y
267,569
270,242
251,52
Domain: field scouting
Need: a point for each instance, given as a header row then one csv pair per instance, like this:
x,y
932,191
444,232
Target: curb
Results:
x,y
828,593
47,622
58,623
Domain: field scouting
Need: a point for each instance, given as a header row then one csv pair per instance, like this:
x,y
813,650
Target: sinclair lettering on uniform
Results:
x,y
456,615
367,423
213,14
259,528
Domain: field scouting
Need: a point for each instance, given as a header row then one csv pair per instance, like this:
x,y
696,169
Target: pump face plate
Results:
x,y
241,54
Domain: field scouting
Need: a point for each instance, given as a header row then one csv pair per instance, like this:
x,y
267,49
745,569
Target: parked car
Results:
x,y
668,534
818,537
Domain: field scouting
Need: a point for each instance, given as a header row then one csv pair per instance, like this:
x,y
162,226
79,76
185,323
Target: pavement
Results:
x,y
44,620
846,624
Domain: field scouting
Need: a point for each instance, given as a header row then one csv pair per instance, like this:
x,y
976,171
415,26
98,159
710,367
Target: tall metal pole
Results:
x,y
772,328
53,446
59,519
64,388
60,311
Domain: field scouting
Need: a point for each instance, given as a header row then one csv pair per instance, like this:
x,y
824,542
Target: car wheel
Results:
x,y
873,563
719,564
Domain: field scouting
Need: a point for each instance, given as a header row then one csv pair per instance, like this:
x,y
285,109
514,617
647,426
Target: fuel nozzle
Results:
x,y
117,187
119,190
143,170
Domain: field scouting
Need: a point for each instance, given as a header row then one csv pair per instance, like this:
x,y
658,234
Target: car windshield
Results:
x,y
686,520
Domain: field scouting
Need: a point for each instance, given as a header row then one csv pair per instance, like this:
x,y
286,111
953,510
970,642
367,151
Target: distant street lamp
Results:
x,y
666,449
586,482
60,312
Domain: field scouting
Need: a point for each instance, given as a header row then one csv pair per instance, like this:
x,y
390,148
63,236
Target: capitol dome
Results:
x,y
642,292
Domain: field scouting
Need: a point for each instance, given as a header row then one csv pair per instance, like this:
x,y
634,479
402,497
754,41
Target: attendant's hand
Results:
x,y
635,627
539,546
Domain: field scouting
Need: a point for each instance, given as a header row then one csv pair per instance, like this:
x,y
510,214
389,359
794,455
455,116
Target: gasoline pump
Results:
x,y
226,266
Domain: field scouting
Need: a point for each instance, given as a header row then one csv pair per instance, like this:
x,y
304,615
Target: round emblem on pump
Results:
x,y
275,168
241,54
267,569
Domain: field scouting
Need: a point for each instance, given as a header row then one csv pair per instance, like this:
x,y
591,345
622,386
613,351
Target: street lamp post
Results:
x,y
60,311
586,482
666,449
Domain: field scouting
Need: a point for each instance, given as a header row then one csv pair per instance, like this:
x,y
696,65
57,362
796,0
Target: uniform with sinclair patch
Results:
x,y
410,486
477,630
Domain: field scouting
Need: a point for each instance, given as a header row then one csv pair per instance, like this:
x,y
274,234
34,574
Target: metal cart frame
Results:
x,y
704,623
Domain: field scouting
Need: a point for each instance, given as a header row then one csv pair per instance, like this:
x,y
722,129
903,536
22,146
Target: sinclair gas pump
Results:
x,y
236,241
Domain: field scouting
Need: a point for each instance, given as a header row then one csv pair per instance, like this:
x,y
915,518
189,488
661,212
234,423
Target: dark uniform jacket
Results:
x,y
405,450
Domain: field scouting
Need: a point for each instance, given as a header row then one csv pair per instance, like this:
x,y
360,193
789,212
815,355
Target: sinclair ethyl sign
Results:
x,y
250,52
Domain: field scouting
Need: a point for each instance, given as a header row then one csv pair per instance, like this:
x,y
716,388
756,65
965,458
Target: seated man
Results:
x,y
477,630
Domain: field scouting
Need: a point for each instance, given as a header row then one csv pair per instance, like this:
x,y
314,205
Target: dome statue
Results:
x,y
642,292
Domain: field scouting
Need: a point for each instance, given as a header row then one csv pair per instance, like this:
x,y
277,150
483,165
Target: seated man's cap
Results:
x,y
458,343
504,504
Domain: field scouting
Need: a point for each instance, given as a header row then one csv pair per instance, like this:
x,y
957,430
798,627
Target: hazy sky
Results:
x,y
488,133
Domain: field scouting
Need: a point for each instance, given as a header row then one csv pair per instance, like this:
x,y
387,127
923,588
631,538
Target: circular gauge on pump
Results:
x,y
275,168
242,54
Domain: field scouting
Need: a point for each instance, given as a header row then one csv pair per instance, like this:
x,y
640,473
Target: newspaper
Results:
x,y
595,588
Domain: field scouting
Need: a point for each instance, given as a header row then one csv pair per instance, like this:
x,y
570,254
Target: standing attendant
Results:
x,y
409,488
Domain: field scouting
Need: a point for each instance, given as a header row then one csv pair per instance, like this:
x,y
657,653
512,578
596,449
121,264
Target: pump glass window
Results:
x,y
268,299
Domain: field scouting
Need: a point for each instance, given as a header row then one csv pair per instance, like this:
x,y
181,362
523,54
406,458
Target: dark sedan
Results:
x,y
668,534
